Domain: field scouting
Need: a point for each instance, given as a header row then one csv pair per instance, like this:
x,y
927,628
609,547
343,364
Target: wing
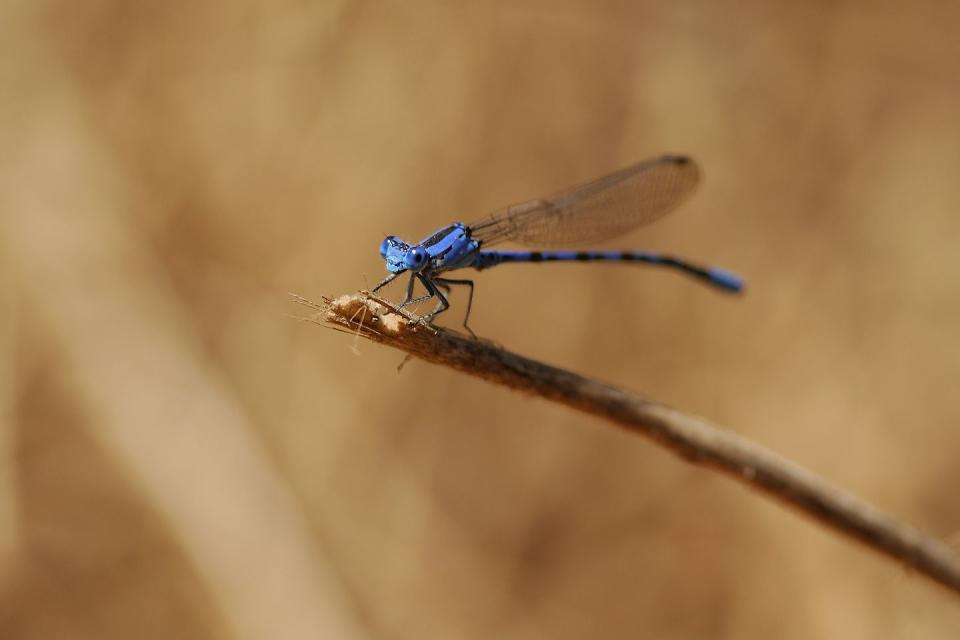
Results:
x,y
598,210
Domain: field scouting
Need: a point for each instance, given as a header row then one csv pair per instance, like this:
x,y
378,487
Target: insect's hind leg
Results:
x,y
446,284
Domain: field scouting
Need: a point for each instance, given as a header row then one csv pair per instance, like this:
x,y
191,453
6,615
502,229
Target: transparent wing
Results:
x,y
598,210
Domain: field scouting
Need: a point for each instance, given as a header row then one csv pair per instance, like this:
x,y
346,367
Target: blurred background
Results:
x,y
181,458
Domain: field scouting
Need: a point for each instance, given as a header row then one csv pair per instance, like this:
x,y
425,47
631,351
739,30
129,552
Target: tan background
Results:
x,y
180,459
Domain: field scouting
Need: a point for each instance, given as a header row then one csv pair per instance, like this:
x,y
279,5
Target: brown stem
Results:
x,y
692,438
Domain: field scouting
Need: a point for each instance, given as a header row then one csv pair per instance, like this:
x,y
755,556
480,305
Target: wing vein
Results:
x,y
597,210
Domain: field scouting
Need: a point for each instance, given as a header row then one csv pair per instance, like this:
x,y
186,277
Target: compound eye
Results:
x,y
414,258
386,245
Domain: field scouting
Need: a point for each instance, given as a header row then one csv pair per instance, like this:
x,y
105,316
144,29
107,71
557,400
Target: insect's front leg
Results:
x,y
390,278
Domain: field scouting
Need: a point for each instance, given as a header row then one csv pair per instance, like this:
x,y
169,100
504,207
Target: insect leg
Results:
x,y
446,283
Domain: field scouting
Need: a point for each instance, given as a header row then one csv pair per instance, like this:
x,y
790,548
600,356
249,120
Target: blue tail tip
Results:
x,y
727,280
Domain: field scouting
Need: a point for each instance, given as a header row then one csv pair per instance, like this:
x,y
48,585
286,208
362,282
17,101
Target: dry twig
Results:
x,y
694,439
